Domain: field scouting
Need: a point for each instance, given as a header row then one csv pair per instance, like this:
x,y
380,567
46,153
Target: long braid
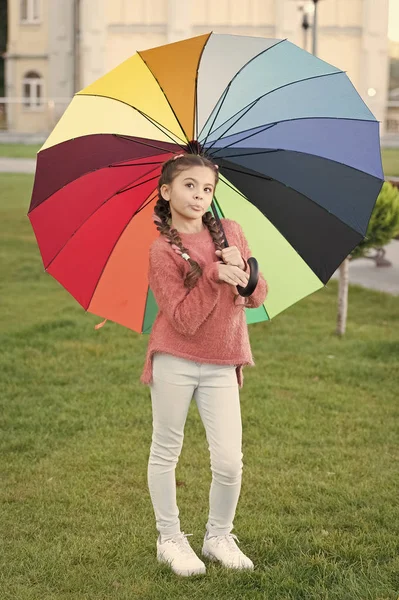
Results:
x,y
162,211
217,235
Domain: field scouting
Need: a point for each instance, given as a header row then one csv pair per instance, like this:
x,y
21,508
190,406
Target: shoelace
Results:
x,y
182,543
228,541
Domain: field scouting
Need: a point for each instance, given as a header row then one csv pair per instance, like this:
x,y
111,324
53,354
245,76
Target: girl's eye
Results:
x,y
207,189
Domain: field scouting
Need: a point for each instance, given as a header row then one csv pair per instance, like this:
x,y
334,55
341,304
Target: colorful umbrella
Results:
x,y
298,154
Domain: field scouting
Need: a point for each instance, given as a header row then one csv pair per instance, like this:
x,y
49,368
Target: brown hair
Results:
x,y
162,213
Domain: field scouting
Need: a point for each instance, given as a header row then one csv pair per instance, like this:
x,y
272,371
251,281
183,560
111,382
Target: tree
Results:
x,y
382,228
384,221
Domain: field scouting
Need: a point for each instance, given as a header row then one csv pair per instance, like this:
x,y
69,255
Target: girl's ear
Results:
x,y
165,192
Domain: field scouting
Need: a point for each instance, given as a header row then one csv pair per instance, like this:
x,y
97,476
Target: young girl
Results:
x,y
197,347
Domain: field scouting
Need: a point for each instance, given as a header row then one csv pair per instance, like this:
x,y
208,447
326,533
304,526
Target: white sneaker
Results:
x,y
179,554
224,549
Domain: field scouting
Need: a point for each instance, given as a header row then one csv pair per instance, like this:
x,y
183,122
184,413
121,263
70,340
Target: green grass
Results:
x,y
318,512
390,161
390,156
19,150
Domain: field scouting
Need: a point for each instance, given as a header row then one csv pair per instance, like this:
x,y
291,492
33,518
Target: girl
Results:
x,y
197,347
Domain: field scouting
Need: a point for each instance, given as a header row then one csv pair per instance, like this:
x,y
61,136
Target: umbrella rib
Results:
x,y
254,102
230,158
143,114
220,208
131,187
248,108
226,181
166,98
150,199
236,75
252,174
270,125
224,95
111,165
133,164
266,127
266,151
159,125
136,141
195,115
94,211
143,206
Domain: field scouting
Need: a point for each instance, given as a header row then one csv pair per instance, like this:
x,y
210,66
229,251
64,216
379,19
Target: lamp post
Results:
x,y
314,48
305,27
309,9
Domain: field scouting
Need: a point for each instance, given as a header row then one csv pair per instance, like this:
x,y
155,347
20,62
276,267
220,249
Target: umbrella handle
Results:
x,y
253,263
253,278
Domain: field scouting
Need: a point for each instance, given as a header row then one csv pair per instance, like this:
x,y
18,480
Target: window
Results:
x,y
32,86
30,11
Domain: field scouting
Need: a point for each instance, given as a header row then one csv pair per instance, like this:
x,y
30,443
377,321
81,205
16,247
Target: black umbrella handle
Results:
x,y
253,278
252,262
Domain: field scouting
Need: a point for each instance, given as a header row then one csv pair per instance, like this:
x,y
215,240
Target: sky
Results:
x,y
393,26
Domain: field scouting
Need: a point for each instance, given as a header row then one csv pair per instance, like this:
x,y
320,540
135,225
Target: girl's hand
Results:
x,y
233,275
231,256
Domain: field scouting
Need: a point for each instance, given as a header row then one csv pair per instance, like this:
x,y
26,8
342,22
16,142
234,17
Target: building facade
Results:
x,y
39,63
56,47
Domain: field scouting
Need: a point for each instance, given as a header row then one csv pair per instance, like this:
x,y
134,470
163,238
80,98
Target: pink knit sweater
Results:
x,y
201,324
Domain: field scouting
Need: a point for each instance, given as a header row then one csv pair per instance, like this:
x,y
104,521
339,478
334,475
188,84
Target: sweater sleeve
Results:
x,y
185,309
259,294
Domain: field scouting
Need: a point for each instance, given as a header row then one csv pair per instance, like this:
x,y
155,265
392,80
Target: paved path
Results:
x,y
385,279
361,271
17,165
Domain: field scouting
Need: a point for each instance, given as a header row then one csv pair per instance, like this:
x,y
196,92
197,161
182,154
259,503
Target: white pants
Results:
x,y
216,392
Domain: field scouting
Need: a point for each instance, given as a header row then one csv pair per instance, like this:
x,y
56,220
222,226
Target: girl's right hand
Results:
x,y
233,275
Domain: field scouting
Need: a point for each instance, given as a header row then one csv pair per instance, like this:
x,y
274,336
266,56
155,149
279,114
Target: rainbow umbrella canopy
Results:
x,y
298,154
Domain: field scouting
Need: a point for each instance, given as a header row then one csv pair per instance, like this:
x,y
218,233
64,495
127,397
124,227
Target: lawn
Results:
x,y
318,512
390,156
19,150
390,161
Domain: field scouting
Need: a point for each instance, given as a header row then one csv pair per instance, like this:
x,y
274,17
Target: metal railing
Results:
x,y
29,115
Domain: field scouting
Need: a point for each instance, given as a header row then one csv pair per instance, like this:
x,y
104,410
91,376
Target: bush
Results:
x,y
384,221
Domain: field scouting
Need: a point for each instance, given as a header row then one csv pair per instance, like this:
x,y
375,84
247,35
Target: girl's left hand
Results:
x,y
231,256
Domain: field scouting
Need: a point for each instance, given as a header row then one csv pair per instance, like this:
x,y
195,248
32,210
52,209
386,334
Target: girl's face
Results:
x,y
190,193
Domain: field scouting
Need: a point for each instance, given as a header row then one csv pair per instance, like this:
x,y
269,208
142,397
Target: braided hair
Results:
x,y
162,213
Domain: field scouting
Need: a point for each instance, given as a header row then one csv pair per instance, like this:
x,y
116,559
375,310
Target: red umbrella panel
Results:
x,y
84,225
